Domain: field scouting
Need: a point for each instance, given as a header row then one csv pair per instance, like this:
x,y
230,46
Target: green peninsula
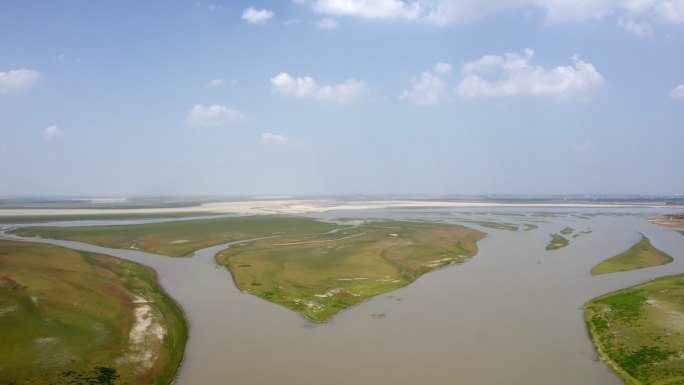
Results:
x,y
641,255
639,332
70,317
323,274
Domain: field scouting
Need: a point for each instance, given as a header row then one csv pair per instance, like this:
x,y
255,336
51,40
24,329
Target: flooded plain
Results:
x,y
511,315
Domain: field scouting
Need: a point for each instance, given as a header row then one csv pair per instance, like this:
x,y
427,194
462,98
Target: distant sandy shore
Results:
x,y
299,207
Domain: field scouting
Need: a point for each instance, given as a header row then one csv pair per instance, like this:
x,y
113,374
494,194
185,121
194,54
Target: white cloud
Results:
x,y
52,132
17,80
671,11
677,92
211,116
445,12
426,91
326,23
307,88
443,68
268,137
213,83
257,16
512,74
639,29
370,9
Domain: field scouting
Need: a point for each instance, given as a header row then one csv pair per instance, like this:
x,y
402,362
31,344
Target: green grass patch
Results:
x,y
567,231
321,275
641,255
639,331
180,238
557,242
68,317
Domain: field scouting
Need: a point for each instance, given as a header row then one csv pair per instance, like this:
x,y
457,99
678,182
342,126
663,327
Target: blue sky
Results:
x,y
341,96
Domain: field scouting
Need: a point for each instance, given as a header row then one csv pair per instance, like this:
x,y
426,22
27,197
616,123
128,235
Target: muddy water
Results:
x,y
512,315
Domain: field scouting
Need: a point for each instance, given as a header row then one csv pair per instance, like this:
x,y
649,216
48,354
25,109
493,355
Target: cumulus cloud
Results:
x,y
268,137
52,132
211,116
671,10
326,23
307,88
639,29
213,83
257,16
512,74
429,88
370,9
17,80
445,12
677,92
443,68
426,91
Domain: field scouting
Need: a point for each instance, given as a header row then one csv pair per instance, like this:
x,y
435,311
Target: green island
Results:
x,y
557,241
641,255
567,231
639,331
324,274
180,238
71,317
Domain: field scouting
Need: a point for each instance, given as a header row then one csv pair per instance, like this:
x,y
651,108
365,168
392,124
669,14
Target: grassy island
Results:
x,y
567,231
557,242
323,274
70,317
639,256
639,332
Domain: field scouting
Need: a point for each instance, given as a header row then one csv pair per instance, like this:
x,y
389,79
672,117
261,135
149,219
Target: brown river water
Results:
x,y
511,315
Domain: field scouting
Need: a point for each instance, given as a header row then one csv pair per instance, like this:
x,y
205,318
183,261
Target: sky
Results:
x,y
329,97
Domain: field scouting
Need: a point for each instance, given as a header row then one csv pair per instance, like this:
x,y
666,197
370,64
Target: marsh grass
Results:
x,y
641,255
557,242
163,238
66,317
322,275
639,331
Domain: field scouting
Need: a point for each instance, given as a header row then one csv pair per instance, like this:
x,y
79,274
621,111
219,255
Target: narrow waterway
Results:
x,y
512,315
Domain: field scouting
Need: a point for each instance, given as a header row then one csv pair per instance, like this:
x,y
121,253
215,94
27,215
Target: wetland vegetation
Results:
x,y
321,275
180,238
316,268
641,255
557,242
71,317
639,331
